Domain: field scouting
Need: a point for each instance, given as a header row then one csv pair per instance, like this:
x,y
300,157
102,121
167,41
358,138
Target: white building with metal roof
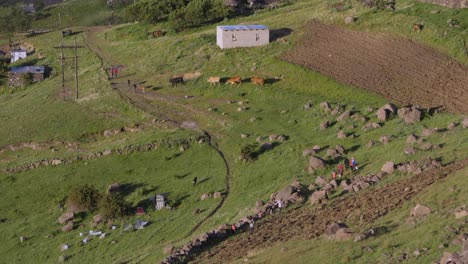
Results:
x,y
242,36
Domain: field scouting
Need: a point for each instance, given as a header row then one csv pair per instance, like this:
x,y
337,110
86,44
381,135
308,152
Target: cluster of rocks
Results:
x,y
338,232
41,146
409,115
183,143
289,194
66,219
210,195
416,167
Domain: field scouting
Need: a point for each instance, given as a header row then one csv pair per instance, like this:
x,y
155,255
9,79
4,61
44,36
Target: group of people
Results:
x,y
351,164
251,222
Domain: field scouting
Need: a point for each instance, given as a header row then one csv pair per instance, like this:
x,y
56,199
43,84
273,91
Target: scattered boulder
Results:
x,y
319,197
410,115
370,126
340,149
66,217
56,162
370,144
391,108
344,115
385,139
244,135
341,134
382,114
344,234
205,196
349,20
316,162
98,218
308,152
427,132
106,152
320,181
411,139
115,187
332,153
217,195
420,211
23,238
325,106
308,105
324,125
316,148
461,212
451,125
388,167
464,123
68,227
409,150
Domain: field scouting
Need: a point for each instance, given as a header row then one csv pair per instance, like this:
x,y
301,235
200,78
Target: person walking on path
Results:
x,y
251,225
347,163
128,81
334,175
233,228
339,169
134,87
353,164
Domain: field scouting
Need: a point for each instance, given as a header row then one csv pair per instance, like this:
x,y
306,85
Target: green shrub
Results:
x,y
83,198
249,152
113,206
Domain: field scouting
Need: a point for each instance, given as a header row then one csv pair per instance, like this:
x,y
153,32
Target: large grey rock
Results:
x,y
411,139
344,234
410,115
391,107
316,163
319,197
308,152
68,227
420,210
325,106
349,20
343,116
320,181
464,123
388,167
324,125
341,134
65,217
382,114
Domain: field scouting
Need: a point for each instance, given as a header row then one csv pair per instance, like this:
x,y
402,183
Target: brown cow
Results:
x,y
214,80
234,80
257,81
417,27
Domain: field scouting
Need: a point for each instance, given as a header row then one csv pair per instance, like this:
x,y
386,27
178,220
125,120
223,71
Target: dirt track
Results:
x,y
400,70
307,223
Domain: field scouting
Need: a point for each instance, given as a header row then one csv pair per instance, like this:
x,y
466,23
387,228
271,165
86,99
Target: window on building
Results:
x,y
234,37
257,36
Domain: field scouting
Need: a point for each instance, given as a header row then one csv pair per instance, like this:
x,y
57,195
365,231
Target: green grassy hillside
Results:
x,y
37,113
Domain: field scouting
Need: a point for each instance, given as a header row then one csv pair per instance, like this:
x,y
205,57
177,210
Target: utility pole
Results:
x,y
76,68
62,62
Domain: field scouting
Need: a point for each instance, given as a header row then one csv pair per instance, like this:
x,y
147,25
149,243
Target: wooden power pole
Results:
x,y
62,60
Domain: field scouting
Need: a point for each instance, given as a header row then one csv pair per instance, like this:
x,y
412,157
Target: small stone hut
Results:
x,y
18,76
242,36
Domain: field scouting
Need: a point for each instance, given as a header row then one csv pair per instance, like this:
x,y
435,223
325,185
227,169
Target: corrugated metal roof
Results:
x,y
28,69
243,27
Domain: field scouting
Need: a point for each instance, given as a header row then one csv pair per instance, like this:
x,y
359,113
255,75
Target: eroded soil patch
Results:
x,y
400,70
307,223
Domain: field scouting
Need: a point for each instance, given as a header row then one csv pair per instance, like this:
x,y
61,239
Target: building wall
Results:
x,y
17,56
242,38
17,80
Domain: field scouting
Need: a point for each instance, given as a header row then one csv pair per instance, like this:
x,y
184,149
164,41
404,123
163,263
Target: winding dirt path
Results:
x,y
307,223
183,120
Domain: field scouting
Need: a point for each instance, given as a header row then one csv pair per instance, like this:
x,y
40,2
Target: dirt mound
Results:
x,y
397,69
307,223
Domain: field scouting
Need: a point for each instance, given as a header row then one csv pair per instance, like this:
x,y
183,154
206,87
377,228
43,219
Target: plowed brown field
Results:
x,y
400,70
307,223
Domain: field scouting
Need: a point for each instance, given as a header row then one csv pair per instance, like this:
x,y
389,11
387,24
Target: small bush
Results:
x,y
249,152
83,198
113,206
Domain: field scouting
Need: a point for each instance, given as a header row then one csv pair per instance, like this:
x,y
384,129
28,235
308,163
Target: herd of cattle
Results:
x,y
216,80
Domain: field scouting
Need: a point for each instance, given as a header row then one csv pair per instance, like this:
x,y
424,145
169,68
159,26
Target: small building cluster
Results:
x,y
242,36
20,76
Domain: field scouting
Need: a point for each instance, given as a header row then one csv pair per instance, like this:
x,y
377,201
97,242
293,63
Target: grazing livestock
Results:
x,y
417,27
257,81
234,80
176,80
214,80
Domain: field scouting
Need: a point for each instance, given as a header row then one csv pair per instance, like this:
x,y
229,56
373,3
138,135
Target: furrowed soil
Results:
x,y
400,70
307,223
